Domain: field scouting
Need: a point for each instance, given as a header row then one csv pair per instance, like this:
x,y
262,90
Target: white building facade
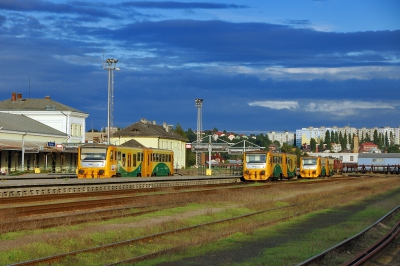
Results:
x,y
282,137
51,113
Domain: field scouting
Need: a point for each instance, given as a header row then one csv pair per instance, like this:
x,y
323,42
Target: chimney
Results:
x,y
19,96
154,122
47,97
13,96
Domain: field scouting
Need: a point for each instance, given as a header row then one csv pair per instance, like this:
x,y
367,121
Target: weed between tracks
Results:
x,y
27,245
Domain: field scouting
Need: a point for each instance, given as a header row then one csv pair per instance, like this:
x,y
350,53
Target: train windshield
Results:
x,y
309,161
93,154
256,158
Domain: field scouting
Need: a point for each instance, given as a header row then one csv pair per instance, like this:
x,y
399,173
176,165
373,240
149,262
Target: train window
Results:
x,y
134,160
351,158
111,156
93,153
119,156
129,160
123,159
311,161
255,158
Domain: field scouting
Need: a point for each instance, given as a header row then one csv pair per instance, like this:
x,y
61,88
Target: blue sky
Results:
x,y
260,66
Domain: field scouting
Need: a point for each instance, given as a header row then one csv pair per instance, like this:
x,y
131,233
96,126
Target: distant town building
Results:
x,y
369,147
282,137
304,135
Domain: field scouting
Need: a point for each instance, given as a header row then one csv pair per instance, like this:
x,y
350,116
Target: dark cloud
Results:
x,y
50,7
166,64
301,22
256,43
179,5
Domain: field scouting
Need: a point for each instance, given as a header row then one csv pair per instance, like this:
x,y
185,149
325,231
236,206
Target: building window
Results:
x,y
351,158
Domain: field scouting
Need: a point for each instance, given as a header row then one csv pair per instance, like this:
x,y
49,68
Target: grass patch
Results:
x,y
290,250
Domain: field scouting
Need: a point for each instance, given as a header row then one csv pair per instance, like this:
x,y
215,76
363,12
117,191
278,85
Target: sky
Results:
x,y
259,66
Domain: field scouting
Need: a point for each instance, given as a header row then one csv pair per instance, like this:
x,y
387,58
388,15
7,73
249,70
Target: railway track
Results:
x,y
48,214
368,255
154,237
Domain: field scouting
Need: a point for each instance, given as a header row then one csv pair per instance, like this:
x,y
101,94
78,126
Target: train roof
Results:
x,y
379,155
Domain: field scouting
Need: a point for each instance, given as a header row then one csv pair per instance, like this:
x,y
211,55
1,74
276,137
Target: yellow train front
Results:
x,y
105,161
264,165
314,167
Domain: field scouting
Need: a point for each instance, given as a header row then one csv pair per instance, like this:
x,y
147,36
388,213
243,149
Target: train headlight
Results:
x,y
262,172
247,172
81,171
101,172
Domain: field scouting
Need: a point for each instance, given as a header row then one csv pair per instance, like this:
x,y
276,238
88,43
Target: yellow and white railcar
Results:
x,y
105,161
264,165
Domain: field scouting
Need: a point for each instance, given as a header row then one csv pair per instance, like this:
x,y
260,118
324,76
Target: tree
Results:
x,y
321,146
376,137
178,130
313,145
386,141
287,148
191,135
328,140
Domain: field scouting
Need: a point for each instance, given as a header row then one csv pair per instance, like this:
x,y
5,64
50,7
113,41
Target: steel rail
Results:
x,y
347,241
376,248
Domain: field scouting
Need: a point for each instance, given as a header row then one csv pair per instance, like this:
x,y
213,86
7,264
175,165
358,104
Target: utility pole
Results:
x,y
199,104
110,65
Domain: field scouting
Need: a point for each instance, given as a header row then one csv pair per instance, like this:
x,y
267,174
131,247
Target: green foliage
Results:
x,y
313,145
179,130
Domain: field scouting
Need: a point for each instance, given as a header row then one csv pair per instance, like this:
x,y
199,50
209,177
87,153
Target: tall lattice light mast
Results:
x,y
199,104
110,65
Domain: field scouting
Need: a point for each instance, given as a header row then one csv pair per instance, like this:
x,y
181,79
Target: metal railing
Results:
x,y
223,169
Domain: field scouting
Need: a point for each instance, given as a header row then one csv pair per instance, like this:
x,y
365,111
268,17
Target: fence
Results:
x,y
67,169
223,169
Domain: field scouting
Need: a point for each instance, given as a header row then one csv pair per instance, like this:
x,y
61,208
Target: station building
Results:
x,y
39,133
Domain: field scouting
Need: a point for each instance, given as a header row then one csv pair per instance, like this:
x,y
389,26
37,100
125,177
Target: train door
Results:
x,y
129,164
146,164
112,167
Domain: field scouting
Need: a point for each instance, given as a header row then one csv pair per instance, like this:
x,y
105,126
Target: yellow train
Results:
x,y
105,161
314,167
264,165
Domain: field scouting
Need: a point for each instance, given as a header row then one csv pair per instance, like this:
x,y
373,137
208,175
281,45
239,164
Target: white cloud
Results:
x,y
336,108
276,104
310,73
